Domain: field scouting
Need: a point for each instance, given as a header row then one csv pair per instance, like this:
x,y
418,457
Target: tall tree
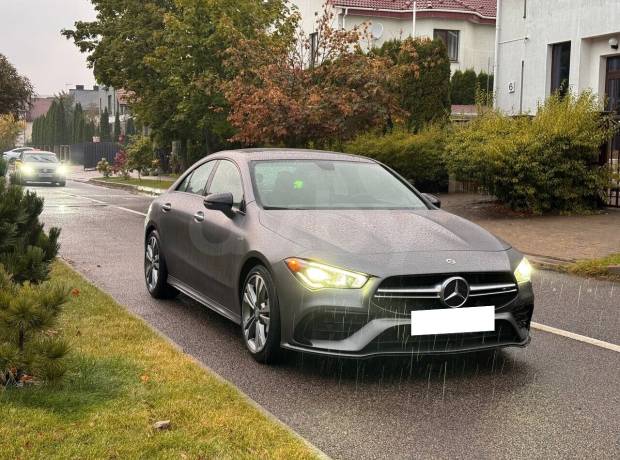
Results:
x,y
169,55
15,90
283,96
104,126
117,127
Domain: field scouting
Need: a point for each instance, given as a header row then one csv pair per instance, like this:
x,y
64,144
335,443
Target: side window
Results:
x,y
183,185
197,181
227,179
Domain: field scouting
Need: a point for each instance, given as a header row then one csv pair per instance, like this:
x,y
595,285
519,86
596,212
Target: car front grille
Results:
x,y
399,295
399,339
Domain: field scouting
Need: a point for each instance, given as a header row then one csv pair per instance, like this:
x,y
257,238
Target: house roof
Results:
x,y
484,8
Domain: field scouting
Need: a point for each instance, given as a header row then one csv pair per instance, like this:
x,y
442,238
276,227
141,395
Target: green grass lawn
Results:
x,y
124,377
144,182
595,267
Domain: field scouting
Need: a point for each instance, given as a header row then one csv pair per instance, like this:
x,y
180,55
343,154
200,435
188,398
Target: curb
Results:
x,y
151,191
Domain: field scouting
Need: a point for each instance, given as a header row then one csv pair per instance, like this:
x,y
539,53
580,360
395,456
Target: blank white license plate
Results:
x,y
453,320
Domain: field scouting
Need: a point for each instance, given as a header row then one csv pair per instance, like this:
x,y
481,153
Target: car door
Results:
x,y
179,209
223,239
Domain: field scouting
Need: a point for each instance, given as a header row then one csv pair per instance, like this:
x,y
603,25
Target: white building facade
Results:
x,y
466,26
556,45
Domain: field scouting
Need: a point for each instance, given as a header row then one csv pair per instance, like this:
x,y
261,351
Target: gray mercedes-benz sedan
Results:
x,y
333,254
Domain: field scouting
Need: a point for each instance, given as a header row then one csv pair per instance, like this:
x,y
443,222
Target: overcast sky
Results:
x,y
30,39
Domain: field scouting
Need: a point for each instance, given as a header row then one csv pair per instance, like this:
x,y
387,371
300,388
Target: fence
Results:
x,y
610,156
85,153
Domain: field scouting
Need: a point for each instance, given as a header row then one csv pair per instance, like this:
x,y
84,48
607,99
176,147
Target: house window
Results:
x,y
451,40
314,43
560,67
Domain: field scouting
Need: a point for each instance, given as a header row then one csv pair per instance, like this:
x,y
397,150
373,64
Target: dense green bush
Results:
x,y
467,88
545,163
418,157
423,78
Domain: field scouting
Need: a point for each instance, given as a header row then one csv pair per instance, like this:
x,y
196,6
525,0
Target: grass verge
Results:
x,y
152,182
123,378
595,267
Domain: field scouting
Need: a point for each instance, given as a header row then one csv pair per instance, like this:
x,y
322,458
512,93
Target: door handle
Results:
x,y
199,216
166,207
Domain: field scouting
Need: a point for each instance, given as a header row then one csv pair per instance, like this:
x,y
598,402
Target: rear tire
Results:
x,y
155,271
260,316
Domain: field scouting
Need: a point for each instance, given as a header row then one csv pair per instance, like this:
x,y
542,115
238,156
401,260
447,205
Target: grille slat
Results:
x,y
400,295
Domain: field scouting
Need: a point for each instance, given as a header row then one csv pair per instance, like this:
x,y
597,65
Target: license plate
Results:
x,y
453,320
46,174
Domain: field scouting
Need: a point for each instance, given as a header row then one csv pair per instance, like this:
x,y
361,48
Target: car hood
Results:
x,y
380,231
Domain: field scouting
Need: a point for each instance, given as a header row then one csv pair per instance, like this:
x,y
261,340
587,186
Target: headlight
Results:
x,y
523,273
317,276
26,170
62,170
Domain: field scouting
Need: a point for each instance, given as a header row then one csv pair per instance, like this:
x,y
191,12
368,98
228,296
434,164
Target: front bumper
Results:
x,y
350,323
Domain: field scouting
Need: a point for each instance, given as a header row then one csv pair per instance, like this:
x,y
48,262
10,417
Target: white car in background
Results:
x,y
13,154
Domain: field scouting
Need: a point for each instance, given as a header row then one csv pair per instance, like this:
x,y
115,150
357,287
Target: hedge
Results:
x,y
418,157
546,163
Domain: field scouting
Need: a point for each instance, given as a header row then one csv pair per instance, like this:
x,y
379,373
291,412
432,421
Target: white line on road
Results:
x,y
540,327
106,203
580,338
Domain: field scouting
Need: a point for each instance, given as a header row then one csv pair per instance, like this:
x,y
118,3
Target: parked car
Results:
x,y
39,166
14,153
333,254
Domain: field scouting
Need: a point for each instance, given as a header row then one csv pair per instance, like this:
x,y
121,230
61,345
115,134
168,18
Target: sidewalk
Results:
x,y
77,173
565,238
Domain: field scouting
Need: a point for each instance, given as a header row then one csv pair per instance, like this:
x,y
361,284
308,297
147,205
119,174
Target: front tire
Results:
x,y
260,316
155,271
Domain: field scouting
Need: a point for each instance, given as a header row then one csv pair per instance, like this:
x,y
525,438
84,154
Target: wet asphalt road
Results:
x,y
557,398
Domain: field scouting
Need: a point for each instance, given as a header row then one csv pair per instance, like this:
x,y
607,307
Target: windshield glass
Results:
x,y
329,184
40,158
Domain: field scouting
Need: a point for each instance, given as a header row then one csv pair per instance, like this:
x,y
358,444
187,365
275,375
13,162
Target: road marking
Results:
x,y
578,337
540,327
106,203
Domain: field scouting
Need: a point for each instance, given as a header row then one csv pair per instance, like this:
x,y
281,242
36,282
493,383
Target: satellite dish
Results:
x,y
376,30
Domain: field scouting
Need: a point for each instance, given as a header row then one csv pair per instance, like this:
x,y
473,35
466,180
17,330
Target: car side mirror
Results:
x,y
435,201
219,202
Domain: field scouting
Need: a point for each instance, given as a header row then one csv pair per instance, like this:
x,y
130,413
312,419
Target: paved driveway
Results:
x,y
558,398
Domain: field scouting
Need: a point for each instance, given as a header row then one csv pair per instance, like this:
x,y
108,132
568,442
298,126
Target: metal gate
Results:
x,y
611,157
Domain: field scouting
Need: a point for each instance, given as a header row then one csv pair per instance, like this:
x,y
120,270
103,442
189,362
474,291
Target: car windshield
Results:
x,y
329,184
40,158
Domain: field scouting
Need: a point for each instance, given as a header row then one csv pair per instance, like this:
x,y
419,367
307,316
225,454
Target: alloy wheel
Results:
x,y
151,263
255,313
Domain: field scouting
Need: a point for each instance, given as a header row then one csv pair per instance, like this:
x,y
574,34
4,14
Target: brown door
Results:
x,y
612,83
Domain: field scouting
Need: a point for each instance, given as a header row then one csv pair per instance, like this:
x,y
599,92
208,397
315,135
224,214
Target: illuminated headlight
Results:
x,y
27,170
61,170
523,273
317,276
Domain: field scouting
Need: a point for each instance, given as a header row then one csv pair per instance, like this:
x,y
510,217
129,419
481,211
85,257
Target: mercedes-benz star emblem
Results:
x,y
454,292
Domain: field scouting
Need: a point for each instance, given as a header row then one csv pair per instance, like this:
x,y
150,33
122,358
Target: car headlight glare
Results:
x,y
318,276
62,170
523,272
27,170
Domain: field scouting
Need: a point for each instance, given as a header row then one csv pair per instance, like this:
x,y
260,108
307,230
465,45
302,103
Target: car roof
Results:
x,y
38,152
288,154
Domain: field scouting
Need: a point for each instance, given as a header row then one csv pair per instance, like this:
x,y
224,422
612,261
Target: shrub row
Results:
x,y
541,164
418,157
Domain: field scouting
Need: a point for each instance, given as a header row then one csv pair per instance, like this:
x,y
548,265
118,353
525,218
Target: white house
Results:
x,y
548,45
466,26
